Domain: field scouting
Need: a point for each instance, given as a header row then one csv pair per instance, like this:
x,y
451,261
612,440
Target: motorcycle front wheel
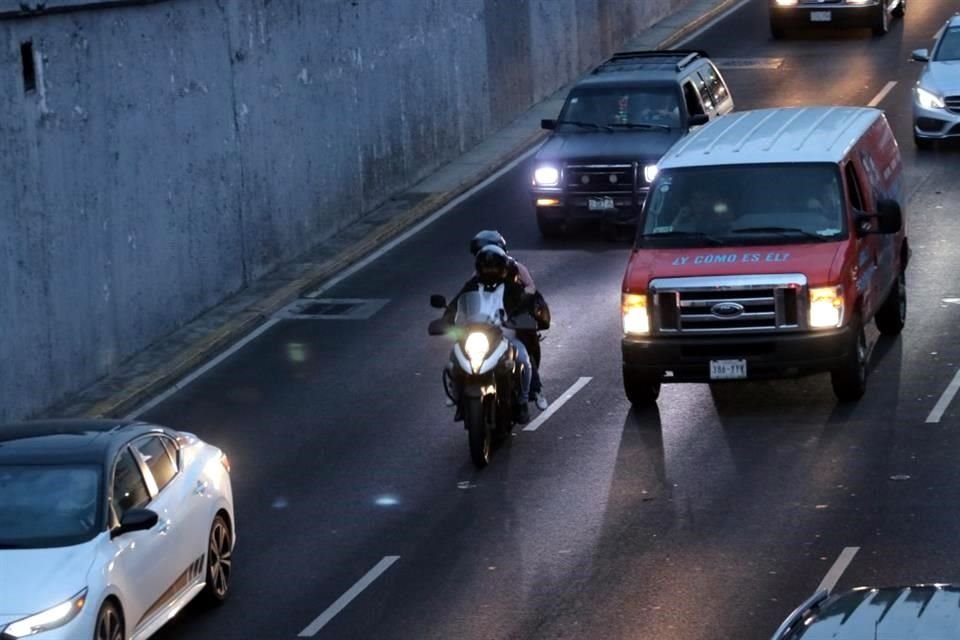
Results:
x,y
479,431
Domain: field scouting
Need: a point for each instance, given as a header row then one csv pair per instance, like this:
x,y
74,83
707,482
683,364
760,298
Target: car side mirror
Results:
x,y
438,302
548,123
920,55
136,520
699,119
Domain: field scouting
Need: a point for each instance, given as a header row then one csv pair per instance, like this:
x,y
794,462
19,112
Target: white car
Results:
x,y
936,97
109,528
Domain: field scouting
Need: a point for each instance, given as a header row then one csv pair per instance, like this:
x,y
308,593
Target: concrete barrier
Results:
x,y
158,156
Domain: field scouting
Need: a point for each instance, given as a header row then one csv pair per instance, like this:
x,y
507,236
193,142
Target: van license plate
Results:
x,y
820,16
728,369
600,204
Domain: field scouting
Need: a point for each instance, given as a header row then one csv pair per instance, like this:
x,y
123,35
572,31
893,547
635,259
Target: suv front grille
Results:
x,y
728,304
600,178
952,103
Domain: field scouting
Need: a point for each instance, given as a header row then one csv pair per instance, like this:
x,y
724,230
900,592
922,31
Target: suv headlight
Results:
x,y
546,176
650,172
46,620
928,99
636,320
476,347
826,307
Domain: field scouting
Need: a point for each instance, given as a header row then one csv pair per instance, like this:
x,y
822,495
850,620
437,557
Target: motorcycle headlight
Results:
x,y
546,177
650,172
46,620
928,99
635,318
826,307
476,348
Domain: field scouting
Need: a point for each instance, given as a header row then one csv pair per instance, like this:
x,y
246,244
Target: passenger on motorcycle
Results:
x,y
493,270
530,339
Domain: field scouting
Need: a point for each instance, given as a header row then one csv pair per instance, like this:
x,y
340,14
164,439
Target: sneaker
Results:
x,y
541,401
448,402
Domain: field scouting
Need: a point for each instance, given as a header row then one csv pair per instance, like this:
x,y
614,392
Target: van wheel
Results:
x,y
901,9
850,380
882,21
641,390
893,313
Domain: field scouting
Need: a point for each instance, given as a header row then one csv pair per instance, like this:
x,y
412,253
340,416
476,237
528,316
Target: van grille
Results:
x,y
728,304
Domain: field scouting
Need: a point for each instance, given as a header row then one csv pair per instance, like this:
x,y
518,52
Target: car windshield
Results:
x,y
48,506
744,204
638,107
949,47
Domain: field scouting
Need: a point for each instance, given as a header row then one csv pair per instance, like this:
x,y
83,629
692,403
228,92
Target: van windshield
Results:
x,y
744,204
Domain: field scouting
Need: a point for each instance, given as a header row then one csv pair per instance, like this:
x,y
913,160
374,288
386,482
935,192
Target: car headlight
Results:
x,y
476,348
636,321
858,1
650,172
826,307
546,176
786,3
928,99
46,620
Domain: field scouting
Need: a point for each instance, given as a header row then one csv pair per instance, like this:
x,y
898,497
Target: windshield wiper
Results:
x,y
781,231
699,235
642,125
586,125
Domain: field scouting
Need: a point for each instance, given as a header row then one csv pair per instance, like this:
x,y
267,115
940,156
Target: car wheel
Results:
x,y
641,390
109,623
219,562
850,380
882,21
901,9
892,315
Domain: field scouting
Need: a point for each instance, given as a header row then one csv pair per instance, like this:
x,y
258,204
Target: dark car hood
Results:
x,y
644,146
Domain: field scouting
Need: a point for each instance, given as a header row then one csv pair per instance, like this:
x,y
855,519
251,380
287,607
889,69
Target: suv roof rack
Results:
x,y
808,605
622,59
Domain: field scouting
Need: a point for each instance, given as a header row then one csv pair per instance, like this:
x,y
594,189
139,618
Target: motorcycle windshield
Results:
x,y
480,307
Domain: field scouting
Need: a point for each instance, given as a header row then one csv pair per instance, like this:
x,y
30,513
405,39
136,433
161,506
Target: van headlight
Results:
x,y
476,348
546,177
52,618
636,320
928,99
650,172
826,307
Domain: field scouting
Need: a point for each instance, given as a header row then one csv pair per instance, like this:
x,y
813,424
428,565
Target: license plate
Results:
x,y
728,369
600,204
820,16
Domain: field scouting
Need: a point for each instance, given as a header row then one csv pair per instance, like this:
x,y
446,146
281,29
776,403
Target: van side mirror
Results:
x,y
438,302
548,123
699,119
889,219
136,520
920,55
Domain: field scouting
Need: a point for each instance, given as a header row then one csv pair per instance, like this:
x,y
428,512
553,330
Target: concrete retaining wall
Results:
x,y
173,151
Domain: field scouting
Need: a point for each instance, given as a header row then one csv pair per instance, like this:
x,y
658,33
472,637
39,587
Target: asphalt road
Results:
x,y
709,517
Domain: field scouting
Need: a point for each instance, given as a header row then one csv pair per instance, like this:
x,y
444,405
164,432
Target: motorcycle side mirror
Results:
x,y
438,327
438,302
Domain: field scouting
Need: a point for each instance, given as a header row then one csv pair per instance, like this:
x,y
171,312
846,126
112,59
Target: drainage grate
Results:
x,y
749,63
332,309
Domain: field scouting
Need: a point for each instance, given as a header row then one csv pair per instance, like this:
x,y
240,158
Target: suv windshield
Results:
x,y
48,506
744,204
629,107
949,47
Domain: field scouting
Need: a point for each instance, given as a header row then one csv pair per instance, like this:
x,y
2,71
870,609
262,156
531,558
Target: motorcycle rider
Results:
x,y
492,270
530,339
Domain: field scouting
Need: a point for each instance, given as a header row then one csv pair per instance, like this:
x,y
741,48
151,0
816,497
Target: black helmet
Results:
x,y
491,265
485,238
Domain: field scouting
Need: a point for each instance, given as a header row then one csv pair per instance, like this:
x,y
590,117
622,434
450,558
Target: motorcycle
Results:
x,y
483,378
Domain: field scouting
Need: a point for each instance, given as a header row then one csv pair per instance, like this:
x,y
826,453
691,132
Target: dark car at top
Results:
x,y
615,125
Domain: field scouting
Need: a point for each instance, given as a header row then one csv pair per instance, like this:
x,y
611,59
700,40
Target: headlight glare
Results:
x,y
636,320
928,99
476,348
546,176
46,620
650,172
786,3
826,307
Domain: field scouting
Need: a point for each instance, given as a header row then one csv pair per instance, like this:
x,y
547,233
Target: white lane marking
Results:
x,y
314,627
240,344
948,394
887,88
709,25
559,402
839,566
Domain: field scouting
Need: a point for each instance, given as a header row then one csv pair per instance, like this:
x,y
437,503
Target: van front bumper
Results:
x,y
687,358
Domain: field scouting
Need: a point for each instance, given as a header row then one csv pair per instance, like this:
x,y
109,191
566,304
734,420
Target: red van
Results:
x,y
769,240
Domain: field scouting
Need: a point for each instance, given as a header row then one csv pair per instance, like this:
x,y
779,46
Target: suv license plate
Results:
x,y
728,369
820,16
600,204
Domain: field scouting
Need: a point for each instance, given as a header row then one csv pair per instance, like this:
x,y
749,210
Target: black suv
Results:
x,y
614,127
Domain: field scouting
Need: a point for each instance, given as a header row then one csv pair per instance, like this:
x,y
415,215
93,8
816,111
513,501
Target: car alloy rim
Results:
x,y
220,558
108,626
